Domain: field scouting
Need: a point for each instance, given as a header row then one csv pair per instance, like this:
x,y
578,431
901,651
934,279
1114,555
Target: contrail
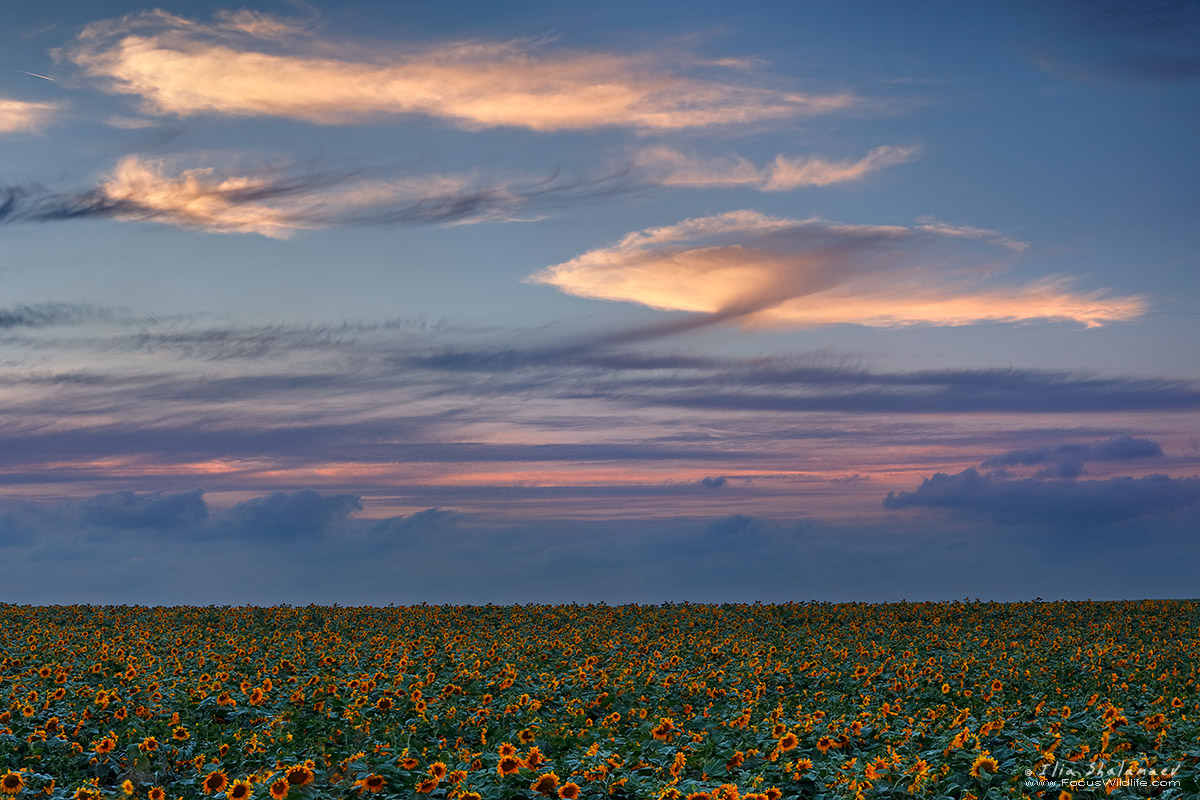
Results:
x,y
38,75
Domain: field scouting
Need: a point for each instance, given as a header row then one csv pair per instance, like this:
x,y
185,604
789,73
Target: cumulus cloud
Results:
x,y
23,116
278,202
151,510
671,167
1052,494
1064,502
247,64
290,515
762,270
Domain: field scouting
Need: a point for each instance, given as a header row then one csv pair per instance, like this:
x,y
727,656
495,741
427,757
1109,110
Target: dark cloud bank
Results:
x,y
308,546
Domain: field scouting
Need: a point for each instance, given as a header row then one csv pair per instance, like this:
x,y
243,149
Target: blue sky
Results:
x,y
385,302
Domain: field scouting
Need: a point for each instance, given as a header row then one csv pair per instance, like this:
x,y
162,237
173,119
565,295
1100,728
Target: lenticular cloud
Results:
x,y
761,270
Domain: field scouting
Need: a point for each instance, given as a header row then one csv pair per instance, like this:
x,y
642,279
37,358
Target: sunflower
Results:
x,y
279,788
373,783
984,763
12,783
215,781
569,791
802,765
180,734
546,784
156,793
824,744
438,769
127,787
470,796
300,775
383,704
507,749
789,741
663,729
407,763
426,786
699,796
774,793
87,793
509,765
103,746
534,758
240,790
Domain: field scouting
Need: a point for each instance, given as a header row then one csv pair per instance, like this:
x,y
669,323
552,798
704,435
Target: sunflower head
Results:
x,y
546,784
299,775
215,781
12,783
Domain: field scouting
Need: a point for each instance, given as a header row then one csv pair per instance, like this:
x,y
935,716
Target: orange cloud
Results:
x,y
274,204
673,168
762,270
195,198
24,116
248,64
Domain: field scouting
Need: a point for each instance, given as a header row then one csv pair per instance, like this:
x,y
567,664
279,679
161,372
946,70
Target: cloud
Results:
x,y
1063,502
278,202
40,315
289,515
246,64
761,270
970,232
1066,460
1140,40
670,167
23,116
438,556
153,510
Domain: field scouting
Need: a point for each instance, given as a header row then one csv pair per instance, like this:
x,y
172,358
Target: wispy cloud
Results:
x,y
1119,39
670,167
40,315
970,232
759,270
24,116
1067,460
281,201
246,64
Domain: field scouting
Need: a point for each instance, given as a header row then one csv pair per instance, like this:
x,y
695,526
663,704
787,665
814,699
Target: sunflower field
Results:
x,y
707,702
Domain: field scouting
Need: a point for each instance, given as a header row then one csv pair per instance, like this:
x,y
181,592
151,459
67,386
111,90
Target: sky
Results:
x,y
393,302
